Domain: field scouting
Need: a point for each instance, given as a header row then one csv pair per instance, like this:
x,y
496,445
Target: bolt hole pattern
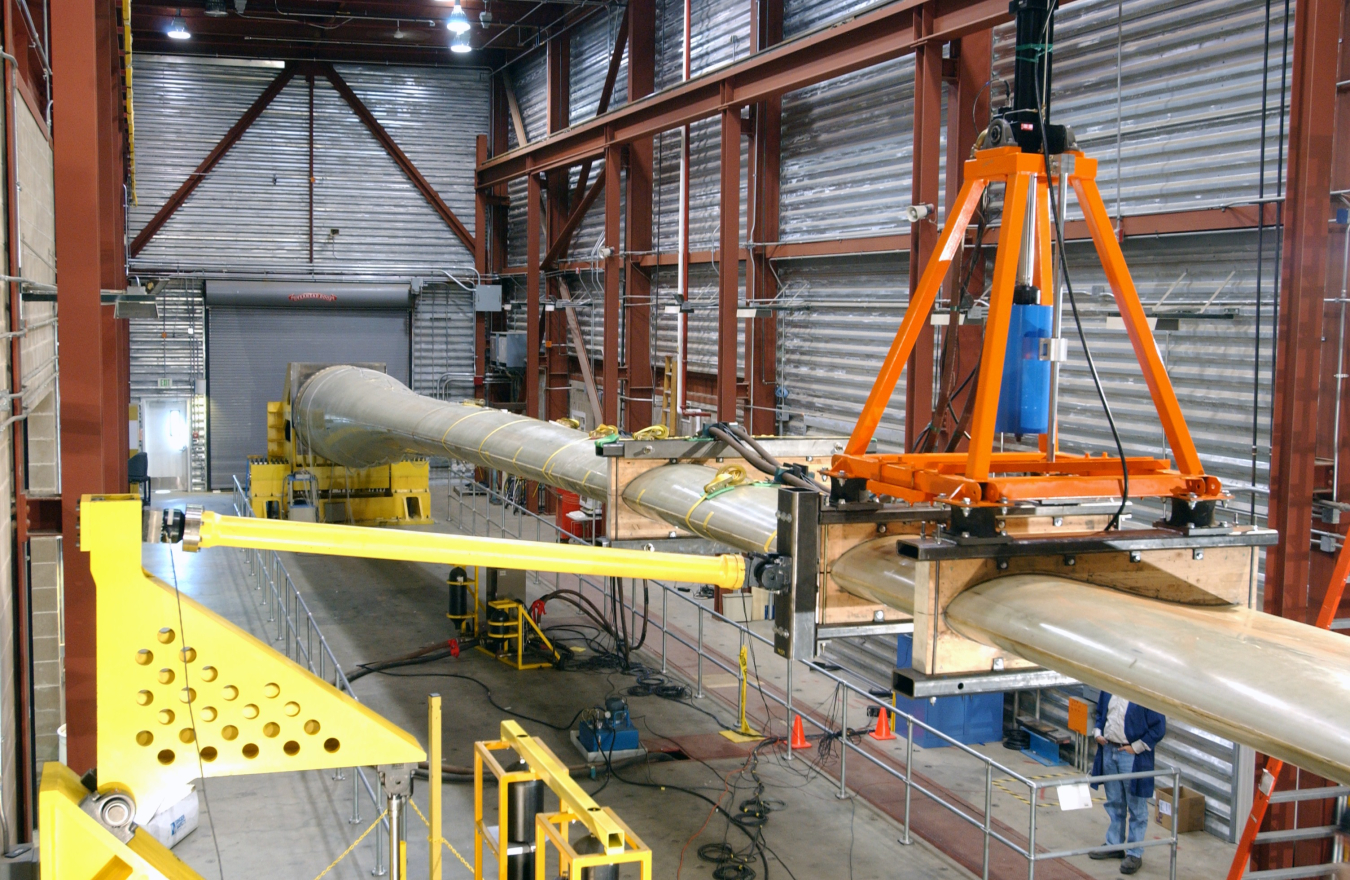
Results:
x,y
209,673
188,695
144,698
250,711
229,731
271,729
250,751
144,657
272,690
166,636
291,748
166,757
331,745
166,716
166,676
145,738
230,692
209,754
209,713
188,654
186,735
292,709
311,727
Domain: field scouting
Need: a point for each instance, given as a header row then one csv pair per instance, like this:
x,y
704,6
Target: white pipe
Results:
x,y
1280,686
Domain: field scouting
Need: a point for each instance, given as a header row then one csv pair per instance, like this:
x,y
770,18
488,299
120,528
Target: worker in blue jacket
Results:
x,y
1127,735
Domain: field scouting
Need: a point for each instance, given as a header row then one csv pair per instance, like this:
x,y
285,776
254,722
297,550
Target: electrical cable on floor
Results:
x,y
1058,225
192,719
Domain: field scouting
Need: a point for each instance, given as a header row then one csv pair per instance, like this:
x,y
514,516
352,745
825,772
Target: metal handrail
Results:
x,y
268,569
982,820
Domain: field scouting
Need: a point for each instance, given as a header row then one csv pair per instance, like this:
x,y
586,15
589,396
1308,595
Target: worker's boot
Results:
x,y
1107,854
1131,864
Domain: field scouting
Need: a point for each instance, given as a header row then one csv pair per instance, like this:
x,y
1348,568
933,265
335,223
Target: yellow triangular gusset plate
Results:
x,y
73,846
178,684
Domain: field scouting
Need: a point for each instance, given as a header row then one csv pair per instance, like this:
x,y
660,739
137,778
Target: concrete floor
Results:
x,y
295,824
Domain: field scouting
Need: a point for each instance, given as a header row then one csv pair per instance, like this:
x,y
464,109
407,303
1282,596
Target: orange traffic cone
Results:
x,y
883,729
798,740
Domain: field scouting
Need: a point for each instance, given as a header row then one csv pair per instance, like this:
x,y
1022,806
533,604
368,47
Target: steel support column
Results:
x,y
89,240
923,234
534,307
728,270
557,379
1303,287
1298,369
480,262
638,220
610,353
761,283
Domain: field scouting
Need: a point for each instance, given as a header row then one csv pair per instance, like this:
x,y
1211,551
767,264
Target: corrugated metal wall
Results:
x,y
168,359
251,213
442,342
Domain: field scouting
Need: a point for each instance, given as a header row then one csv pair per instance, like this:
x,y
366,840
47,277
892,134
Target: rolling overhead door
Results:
x,y
247,350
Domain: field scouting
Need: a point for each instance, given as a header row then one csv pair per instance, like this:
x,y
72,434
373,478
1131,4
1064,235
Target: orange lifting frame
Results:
x,y
971,476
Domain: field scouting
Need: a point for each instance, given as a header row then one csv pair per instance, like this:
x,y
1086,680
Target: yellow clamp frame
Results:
x,y
207,529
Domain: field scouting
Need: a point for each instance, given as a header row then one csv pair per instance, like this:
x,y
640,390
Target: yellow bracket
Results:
x,y
552,828
74,846
744,732
215,530
184,693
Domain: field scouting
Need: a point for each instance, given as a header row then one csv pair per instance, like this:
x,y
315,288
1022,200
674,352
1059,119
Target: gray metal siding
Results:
x,y
251,214
247,353
172,349
442,343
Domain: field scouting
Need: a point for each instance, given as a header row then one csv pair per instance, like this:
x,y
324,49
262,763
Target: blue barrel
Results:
x,y
1024,398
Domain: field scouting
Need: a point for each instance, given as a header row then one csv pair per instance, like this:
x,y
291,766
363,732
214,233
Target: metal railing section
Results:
x,y
304,643
511,523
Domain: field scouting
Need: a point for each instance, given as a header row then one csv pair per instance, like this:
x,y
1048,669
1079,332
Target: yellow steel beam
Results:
x,y
206,529
573,797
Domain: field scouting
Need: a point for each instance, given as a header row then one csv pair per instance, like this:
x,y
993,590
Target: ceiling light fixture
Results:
x,y
459,22
460,45
178,29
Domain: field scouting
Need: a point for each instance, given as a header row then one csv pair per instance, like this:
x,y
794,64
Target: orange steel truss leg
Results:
x,y
996,325
916,315
1330,602
1136,324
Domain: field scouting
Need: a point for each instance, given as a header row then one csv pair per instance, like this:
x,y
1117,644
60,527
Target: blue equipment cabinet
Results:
x,y
968,719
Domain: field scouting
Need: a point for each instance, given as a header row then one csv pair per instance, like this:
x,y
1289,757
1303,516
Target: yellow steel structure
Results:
x,y
390,494
72,845
620,844
513,634
208,529
183,693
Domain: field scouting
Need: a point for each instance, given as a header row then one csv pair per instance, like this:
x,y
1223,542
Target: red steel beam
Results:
x,y
212,159
481,209
563,242
606,95
91,367
558,63
867,40
533,304
638,222
1303,287
926,173
610,353
766,135
396,153
728,270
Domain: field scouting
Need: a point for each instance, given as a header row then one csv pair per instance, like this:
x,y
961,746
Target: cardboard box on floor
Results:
x,y
1190,812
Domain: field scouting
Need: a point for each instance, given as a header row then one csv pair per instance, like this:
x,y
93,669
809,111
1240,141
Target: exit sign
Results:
x,y
165,383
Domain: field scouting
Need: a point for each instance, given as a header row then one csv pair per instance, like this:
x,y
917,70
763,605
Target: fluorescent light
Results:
x,y
460,45
459,22
177,29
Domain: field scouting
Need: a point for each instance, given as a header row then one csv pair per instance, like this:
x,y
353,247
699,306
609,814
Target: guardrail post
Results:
x,y
988,814
699,695
787,704
1031,836
909,771
843,748
665,624
1176,799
